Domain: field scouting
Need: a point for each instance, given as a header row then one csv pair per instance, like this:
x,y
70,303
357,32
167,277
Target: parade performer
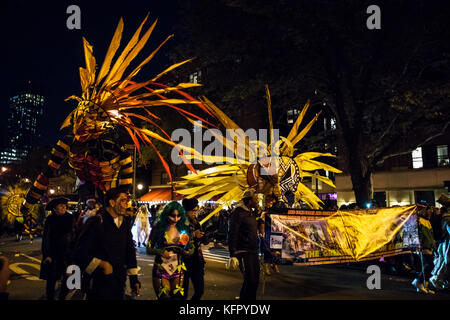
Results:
x,y
96,131
440,278
170,242
273,169
11,202
427,250
142,225
90,211
56,251
106,253
195,263
243,244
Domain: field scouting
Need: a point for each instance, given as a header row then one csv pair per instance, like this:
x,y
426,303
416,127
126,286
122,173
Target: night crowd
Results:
x,y
102,239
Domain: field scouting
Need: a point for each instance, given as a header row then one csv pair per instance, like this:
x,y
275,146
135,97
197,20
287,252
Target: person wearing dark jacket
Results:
x,y
195,263
243,244
106,253
427,250
56,246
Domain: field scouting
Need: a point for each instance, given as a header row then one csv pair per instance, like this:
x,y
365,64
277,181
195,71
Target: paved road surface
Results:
x,y
315,282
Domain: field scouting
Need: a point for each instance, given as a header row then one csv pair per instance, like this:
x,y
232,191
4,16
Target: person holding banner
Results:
x,y
243,244
440,272
428,247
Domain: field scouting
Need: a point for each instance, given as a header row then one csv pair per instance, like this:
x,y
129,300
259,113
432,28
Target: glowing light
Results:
x,y
52,191
4,169
114,113
140,186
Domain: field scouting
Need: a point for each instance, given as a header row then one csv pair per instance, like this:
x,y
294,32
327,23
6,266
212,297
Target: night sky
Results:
x,y
39,47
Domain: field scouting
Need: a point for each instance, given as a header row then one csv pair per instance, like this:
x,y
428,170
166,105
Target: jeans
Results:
x,y
195,272
249,266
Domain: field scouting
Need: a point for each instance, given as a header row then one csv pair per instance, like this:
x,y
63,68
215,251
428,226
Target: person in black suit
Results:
x,y
106,252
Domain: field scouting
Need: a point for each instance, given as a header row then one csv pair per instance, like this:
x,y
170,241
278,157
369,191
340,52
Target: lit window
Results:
x,y
332,124
195,77
417,159
291,115
442,156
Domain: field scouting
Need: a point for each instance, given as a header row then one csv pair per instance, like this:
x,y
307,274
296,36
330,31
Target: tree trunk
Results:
x,y
362,187
360,172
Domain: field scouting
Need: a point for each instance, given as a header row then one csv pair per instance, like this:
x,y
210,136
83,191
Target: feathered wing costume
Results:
x,y
269,169
106,109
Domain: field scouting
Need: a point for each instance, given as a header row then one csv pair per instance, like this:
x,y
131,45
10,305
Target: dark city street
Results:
x,y
292,283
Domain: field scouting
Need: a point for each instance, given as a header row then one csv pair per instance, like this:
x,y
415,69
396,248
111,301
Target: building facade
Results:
x,y
22,135
417,177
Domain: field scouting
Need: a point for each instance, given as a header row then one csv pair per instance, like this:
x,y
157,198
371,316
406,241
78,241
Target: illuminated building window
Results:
x,y
417,159
291,114
442,156
332,124
195,77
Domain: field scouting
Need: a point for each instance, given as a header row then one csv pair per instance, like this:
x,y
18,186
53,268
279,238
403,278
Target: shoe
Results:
x,y
419,286
427,287
434,282
406,267
266,269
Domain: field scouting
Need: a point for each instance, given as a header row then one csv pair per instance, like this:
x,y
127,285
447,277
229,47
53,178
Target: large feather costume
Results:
x,y
270,169
107,108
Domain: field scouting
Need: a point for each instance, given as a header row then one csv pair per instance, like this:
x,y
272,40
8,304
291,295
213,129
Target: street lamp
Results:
x,y
52,191
140,186
4,169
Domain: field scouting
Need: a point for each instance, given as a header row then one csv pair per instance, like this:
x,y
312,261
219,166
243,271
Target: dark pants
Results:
x,y
428,266
195,272
249,266
57,271
107,287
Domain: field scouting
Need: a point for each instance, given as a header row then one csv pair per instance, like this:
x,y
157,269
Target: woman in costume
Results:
x,y
170,242
142,225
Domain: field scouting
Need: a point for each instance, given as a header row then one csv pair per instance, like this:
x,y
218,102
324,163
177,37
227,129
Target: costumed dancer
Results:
x,y
98,129
56,246
18,227
269,259
170,242
90,211
142,225
106,253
